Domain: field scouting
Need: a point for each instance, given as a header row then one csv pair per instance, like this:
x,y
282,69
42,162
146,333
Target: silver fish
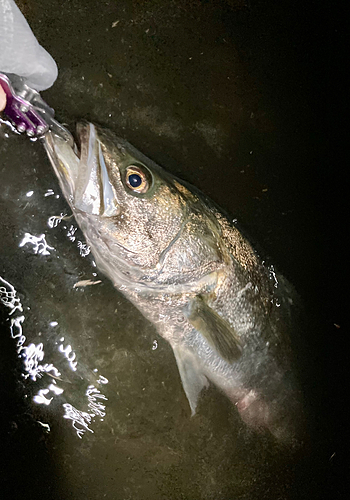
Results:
x,y
189,270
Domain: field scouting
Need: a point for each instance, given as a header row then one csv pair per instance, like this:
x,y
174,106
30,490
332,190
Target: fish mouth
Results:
x,y
82,171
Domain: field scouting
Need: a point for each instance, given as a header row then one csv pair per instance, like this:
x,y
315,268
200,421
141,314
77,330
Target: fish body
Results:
x,y
189,270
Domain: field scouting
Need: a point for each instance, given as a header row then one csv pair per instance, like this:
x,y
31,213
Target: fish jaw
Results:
x,y
64,162
83,175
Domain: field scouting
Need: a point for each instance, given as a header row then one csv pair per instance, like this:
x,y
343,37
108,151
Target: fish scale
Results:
x,y
190,272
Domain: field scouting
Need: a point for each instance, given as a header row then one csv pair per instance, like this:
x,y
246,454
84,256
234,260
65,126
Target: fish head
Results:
x,y
132,212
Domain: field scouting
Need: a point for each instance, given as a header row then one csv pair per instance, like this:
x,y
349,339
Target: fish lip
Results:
x,y
82,171
66,173
70,161
80,136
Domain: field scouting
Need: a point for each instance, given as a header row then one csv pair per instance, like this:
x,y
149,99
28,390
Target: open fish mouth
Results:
x,y
82,171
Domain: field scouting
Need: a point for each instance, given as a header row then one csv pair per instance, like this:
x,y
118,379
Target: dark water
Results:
x,y
230,97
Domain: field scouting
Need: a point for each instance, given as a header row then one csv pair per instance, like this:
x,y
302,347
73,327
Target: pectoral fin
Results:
x,y
218,333
193,380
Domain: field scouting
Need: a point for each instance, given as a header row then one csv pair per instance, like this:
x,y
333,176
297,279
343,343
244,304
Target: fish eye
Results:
x,y
136,179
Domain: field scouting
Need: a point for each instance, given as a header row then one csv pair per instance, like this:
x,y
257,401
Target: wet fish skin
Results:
x,y
190,271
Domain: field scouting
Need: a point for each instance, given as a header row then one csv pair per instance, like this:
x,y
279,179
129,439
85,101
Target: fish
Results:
x,y
190,270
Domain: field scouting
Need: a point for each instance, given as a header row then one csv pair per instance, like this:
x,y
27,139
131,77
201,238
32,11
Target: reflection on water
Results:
x,y
69,354
54,220
49,192
81,419
41,398
220,97
84,248
38,242
8,297
32,356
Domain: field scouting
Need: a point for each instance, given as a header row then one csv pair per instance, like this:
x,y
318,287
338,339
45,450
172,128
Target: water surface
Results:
x,y
222,94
